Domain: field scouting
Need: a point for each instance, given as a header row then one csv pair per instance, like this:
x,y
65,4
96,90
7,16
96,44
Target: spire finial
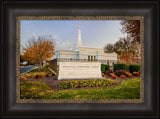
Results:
x,y
79,26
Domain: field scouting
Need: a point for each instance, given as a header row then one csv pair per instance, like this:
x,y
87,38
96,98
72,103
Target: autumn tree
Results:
x,y
37,50
127,49
132,28
109,48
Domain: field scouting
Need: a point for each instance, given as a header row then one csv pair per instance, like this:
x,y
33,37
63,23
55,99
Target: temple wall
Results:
x,y
68,55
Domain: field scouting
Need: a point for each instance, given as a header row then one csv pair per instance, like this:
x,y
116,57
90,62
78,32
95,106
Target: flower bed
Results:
x,y
128,74
136,74
122,74
86,83
113,76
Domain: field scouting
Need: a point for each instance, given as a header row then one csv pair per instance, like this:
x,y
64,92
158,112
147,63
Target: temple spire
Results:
x,y
79,26
79,43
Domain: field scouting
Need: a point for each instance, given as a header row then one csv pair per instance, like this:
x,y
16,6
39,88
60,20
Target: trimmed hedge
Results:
x,y
86,83
119,66
104,68
134,68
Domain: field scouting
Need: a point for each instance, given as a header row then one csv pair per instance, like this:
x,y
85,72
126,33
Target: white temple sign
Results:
x,y
79,70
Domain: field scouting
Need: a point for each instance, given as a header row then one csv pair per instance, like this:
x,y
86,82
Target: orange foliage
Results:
x,y
122,76
128,74
136,74
102,74
125,57
36,51
113,76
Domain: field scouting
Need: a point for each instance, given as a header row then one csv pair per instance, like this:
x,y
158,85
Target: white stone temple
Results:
x,y
84,53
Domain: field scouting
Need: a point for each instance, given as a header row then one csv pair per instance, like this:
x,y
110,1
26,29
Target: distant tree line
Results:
x,y
127,48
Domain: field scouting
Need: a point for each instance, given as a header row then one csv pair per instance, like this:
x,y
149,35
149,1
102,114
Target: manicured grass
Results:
x,y
43,69
33,70
34,90
128,89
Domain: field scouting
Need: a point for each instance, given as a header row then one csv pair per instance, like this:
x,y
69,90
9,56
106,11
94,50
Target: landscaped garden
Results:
x,y
128,89
119,82
37,74
120,70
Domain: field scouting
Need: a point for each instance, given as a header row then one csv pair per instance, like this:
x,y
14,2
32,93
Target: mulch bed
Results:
x,y
53,82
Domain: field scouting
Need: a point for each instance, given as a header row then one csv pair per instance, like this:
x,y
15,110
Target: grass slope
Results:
x,y
43,69
128,89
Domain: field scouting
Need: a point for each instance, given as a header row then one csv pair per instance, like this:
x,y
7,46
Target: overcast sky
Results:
x,y
94,33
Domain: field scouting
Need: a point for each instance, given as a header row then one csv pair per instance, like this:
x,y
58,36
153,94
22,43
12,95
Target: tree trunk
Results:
x,y
39,65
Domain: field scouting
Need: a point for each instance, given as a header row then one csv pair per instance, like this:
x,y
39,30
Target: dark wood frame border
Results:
x,y
151,20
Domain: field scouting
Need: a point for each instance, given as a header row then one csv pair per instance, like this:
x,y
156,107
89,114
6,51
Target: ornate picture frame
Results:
x,y
19,18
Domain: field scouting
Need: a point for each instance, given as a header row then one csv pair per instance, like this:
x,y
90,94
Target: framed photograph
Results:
x,y
56,70
80,59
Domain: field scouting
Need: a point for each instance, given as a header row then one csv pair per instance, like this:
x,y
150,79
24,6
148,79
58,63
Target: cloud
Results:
x,y
66,45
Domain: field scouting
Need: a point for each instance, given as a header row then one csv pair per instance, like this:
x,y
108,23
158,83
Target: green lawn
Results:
x,y
43,69
128,89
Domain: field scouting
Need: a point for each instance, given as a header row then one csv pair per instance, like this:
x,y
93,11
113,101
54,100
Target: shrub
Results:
x,y
128,74
47,75
122,76
34,74
102,74
134,68
53,74
37,76
136,74
108,72
86,83
111,74
114,76
23,78
119,66
104,67
43,74
45,69
120,72
28,75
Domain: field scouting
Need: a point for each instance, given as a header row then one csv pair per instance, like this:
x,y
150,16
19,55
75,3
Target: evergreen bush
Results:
x,y
120,66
